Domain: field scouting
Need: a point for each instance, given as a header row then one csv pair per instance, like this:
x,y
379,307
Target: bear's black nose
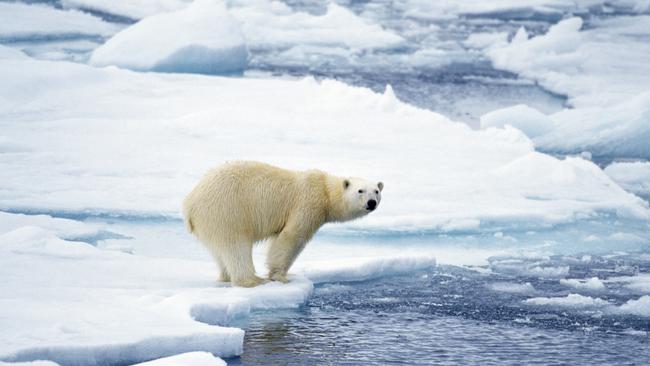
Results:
x,y
372,204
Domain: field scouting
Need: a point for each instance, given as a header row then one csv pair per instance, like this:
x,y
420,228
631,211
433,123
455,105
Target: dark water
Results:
x,y
449,315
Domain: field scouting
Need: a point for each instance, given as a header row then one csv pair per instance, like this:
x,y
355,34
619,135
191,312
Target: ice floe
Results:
x,y
202,38
136,143
608,94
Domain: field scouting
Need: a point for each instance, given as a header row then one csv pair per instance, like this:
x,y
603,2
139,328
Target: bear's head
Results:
x,y
361,196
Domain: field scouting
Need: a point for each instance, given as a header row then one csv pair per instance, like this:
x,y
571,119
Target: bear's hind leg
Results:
x,y
238,262
223,272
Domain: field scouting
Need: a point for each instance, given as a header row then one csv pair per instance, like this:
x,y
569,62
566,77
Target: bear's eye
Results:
x,y
376,191
361,191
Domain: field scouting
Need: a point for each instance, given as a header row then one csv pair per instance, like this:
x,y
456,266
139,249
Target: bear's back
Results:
x,y
243,198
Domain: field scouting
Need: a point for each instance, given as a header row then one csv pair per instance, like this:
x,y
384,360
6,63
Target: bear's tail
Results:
x,y
189,225
187,219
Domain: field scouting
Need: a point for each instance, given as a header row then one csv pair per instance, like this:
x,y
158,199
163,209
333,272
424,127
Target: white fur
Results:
x,y
241,203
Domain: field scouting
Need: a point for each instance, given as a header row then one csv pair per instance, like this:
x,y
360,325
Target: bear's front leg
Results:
x,y
284,249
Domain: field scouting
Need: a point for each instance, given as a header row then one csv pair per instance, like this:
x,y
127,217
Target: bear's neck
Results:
x,y
338,211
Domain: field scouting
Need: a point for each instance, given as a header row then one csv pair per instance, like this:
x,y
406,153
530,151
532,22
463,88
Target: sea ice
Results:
x,y
137,142
640,307
609,94
570,301
202,38
593,284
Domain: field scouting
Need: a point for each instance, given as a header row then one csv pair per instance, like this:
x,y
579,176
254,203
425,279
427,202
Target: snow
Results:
x,y
570,301
591,284
202,38
608,94
169,130
632,176
187,359
22,21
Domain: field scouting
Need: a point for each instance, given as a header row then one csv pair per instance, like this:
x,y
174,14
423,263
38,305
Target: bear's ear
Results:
x,y
381,186
346,184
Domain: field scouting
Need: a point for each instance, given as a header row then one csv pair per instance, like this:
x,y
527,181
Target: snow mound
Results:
x,y
570,301
202,38
609,94
632,176
187,359
22,22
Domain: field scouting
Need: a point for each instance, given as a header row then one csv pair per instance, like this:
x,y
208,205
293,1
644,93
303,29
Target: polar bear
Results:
x,y
244,202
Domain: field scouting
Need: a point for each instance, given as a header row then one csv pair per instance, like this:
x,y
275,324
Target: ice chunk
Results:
x,y
593,284
19,22
609,93
361,269
570,301
202,38
187,359
632,176
271,24
510,287
640,307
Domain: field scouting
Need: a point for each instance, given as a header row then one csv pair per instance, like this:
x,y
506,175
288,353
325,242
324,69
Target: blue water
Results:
x,y
449,315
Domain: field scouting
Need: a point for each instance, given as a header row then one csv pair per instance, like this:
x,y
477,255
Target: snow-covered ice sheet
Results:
x,y
202,38
608,94
137,143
